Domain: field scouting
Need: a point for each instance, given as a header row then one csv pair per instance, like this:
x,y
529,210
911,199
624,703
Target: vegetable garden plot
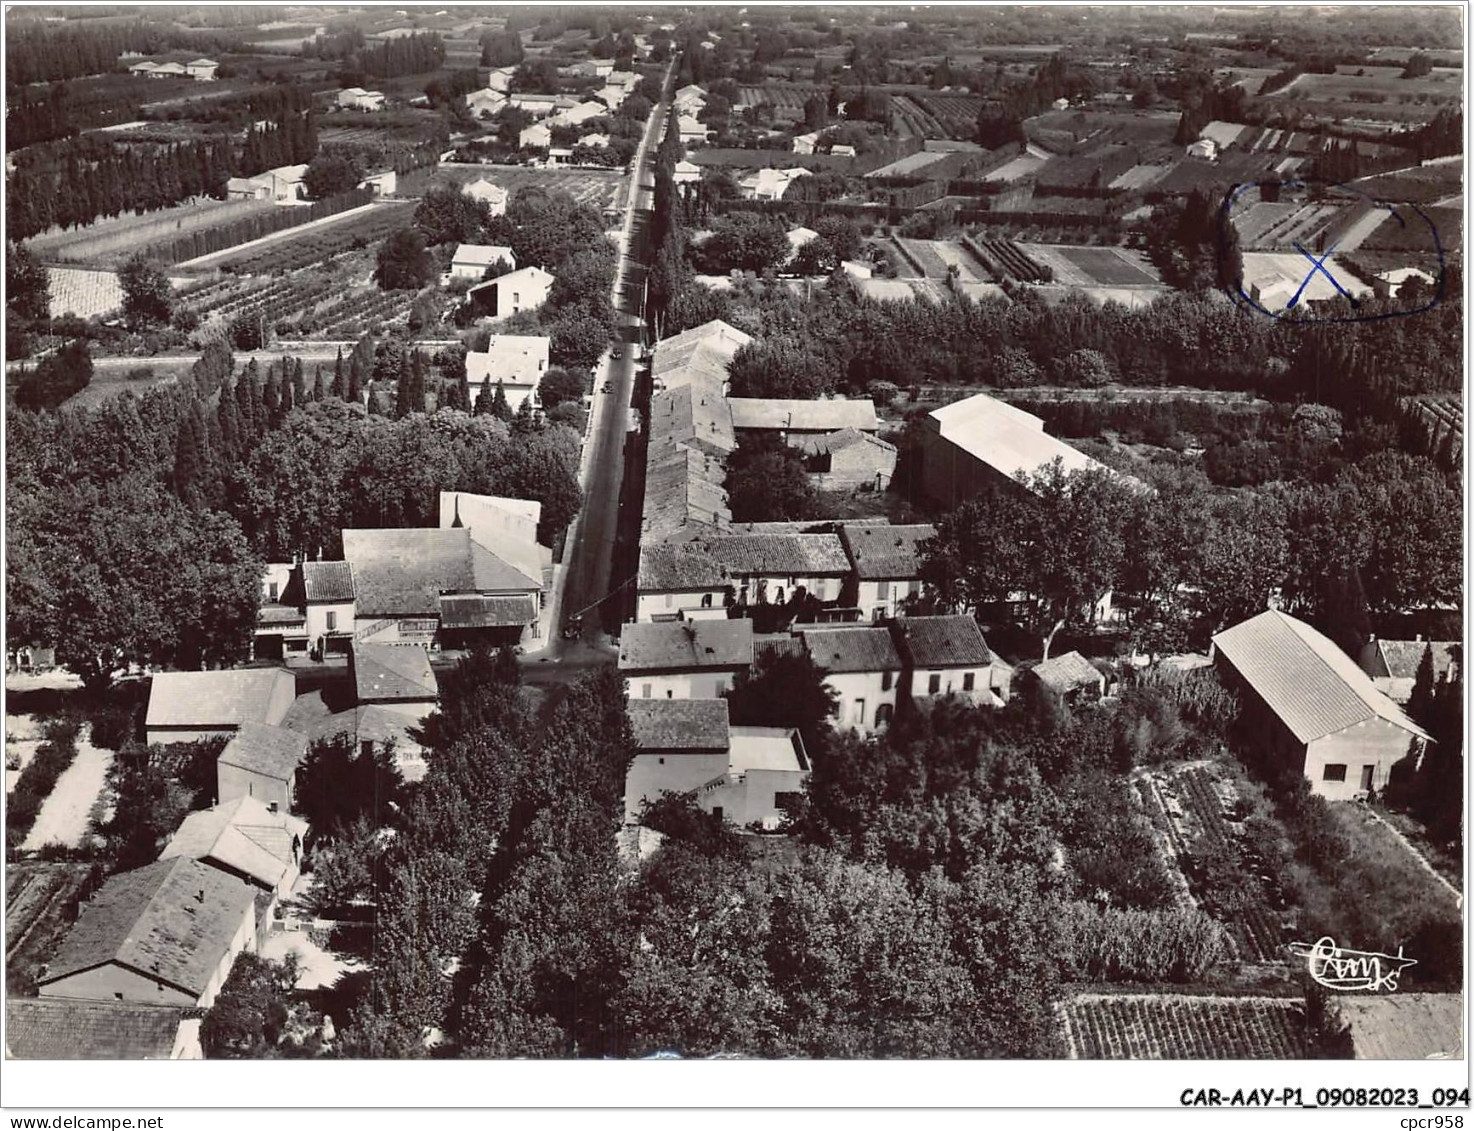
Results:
x,y
1183,1027
84,293
1202,819
1094,266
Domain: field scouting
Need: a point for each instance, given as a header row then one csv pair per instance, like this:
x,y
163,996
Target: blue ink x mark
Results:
x,y
1318,267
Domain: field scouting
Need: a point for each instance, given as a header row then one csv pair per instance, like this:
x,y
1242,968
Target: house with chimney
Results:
x,y
691,659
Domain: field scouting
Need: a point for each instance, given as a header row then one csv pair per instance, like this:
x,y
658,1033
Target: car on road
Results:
x,y
616,354
609,386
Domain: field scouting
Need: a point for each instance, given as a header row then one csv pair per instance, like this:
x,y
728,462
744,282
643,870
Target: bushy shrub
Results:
x,y
112,725
1115,945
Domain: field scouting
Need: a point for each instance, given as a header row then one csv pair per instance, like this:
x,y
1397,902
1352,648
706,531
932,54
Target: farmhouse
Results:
x,y
690,129
769,184
485,103
804,143
494,196
283,185
686,172
500,79
356,98
578,115
144,69
690,99
842,151
261,762
536,136
978,441
538,105
245,839
798,237
474,260
53,1028
202,70
323,593
703,352
517,362
862,667
189,706
694,659
1393,664
437,588
886,565
848,459
612,95
1320,711
525,289
164,934
947,655
594,141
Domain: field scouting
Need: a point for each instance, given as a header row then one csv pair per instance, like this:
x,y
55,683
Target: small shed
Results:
x,y
1071,677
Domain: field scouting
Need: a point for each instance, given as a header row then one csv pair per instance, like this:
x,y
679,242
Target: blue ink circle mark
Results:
x,y
1234,289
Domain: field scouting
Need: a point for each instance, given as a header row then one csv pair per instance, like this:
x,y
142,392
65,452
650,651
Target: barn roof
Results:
x,y
1067,672
679,724
243,835
58,1028
392,671
948,641
1405,1026
803,416
1312,686
215,699
851,649
173,920
885,552
327,581
1006,438
404,572
686,645
273,752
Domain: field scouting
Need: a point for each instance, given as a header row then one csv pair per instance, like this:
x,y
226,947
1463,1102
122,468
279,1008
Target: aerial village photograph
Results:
x,y
768,533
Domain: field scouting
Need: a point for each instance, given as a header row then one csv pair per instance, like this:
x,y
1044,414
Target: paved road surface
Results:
x,y
585,580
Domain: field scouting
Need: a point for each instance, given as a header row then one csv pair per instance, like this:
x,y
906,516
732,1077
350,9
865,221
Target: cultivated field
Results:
x,y
301,247
949,115
1094,266
1182,1027
108,242
1386,87
40,905
1200,817
779,95
597,187
83,293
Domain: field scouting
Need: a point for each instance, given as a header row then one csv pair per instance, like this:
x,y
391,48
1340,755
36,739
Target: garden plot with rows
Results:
x,y
1182,1027
1207,830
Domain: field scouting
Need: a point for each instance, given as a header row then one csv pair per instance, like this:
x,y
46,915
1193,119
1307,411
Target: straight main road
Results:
x,y
584,581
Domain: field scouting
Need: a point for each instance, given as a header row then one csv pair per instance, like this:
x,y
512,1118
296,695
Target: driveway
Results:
x,y
65,816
